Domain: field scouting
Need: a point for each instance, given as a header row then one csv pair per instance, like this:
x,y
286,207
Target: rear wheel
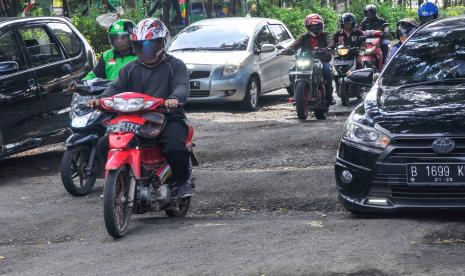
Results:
x,y
73,174
250,102
301,99
320,115
116,210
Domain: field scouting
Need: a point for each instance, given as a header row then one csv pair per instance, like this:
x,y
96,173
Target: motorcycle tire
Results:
x,y
345,100
301,100
183,205
116,210
72,165
320,115
343,96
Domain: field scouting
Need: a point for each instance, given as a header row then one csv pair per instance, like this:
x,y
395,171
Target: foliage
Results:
x,y
453,11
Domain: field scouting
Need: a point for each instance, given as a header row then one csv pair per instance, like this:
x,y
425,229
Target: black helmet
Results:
x,y
370,11
347,17
405,27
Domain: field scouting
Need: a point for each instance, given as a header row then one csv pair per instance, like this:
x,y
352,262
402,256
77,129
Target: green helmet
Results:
x,y
121,27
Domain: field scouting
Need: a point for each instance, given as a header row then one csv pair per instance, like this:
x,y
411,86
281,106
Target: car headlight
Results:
x,y
230,69
365,135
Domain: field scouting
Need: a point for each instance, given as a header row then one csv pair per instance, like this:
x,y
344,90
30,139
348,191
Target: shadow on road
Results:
x,y
32,164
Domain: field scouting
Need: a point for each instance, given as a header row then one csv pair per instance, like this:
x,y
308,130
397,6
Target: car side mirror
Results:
x,y
68,68
8,67
361,78
267,48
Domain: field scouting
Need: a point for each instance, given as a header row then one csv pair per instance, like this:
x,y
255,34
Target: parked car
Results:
x,y
234,59
404,146
38,59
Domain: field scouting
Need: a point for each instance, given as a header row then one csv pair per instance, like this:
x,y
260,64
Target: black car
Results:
x,y
39,57
403,148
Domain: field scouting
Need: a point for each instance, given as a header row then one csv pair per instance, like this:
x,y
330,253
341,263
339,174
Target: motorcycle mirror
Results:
x,y
107,19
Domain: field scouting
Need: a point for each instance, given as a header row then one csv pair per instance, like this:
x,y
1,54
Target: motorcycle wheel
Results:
x,y
183,205
73,166
301,100
116,210
344,97
320,115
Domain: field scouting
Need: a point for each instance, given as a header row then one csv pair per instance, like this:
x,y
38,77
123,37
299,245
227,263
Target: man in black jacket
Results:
x,y
315,39
373,22
163,76
349,35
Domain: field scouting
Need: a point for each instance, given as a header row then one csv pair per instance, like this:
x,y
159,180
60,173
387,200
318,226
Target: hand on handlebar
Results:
x,y
93,103
171,103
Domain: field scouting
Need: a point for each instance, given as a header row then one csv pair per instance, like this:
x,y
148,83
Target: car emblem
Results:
x,y
443,145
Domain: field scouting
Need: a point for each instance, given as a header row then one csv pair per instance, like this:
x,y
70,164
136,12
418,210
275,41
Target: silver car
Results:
x,y
234,59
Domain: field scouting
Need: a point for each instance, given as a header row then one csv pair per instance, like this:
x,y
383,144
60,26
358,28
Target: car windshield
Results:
x,y
227,38
428,56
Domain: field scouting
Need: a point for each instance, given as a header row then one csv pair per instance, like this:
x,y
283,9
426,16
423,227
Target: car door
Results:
x,y
19,94
268,63
47,59
283,40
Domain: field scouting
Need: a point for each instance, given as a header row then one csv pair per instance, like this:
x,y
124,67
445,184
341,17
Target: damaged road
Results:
x,y
265,203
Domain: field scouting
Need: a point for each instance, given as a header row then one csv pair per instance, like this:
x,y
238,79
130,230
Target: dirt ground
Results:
x,y
265,204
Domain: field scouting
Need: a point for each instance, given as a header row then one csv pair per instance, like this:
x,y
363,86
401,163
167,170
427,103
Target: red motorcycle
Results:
x,y
138,177
373,56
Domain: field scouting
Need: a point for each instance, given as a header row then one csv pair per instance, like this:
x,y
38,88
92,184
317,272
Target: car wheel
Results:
x,y
252,94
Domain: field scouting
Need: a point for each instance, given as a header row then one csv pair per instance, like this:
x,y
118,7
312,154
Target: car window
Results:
x,y
264,37
68,38
40,46
10,50
279,32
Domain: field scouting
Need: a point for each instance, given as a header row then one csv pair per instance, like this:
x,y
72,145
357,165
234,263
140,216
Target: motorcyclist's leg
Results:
x,y
173,145
384,49
328,77
103,146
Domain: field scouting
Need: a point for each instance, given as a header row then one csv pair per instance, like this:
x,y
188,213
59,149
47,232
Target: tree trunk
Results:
x,y
209,8
334,2
346,5
166,7
234,6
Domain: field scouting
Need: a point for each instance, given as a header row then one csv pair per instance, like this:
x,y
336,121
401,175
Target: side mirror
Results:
x,y
361,78
267,48
8,67
68,68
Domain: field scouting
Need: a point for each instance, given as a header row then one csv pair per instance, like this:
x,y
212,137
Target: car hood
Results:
x,y
420,110
211,57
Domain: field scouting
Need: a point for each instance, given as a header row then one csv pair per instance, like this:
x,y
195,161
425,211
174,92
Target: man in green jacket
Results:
x,y
116,58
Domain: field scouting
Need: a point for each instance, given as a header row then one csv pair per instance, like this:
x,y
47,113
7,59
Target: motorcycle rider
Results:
x,y
427,12
111,61
349,35
315,38
159,75
373,22
405,27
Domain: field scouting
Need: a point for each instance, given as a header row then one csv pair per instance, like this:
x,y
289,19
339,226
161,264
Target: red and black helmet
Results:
x,y
149,37
314,23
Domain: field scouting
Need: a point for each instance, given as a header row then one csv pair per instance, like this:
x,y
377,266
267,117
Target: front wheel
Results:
x,y
250,102
320,115
343,93
73,174
116,210
301,94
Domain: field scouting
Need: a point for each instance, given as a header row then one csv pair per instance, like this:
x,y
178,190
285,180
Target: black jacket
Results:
x,y
372,24
356,37
303,43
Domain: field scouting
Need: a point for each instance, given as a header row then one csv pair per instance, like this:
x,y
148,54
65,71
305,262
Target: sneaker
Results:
x,y
185,190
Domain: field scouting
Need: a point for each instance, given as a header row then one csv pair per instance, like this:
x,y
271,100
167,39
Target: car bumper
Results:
x,y
219,89
379,186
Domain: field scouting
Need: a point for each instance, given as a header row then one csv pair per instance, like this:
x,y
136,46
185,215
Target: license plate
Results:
x,y
343,62
124,127
195,84
370,40
430,174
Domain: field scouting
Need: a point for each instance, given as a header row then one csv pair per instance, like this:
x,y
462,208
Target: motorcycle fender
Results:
x,y
119,158
77,139
308,82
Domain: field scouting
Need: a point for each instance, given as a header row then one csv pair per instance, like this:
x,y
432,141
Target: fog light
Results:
x,y
378,201
346,176
229,92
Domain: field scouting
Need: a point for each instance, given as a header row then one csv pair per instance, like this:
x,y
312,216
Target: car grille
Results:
x,y
199,75
420,149
428,192
199,93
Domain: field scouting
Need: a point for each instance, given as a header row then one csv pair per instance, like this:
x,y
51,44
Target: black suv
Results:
x,y
39,57
404,146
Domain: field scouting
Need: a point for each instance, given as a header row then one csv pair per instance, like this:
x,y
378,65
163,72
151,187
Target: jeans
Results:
x,y
385,49
328,77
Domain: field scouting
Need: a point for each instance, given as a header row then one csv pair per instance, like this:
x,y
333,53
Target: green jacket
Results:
x,y
109,65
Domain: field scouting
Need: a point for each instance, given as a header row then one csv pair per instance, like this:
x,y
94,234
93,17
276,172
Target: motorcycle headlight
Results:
x,y
369,51
129,105
303,63
364,135
343,51
80,121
